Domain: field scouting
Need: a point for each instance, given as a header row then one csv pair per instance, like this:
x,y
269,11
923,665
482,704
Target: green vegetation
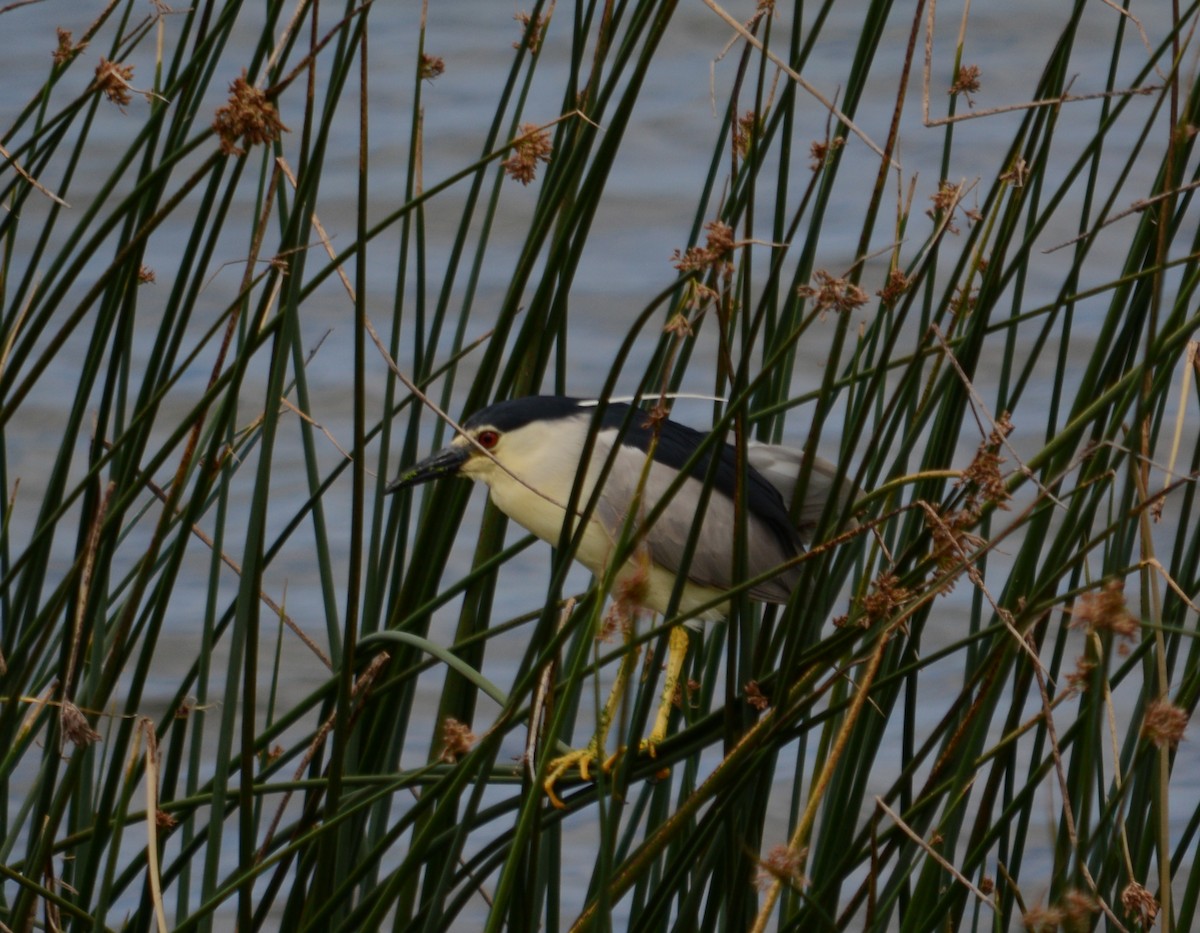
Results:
x,y
969,715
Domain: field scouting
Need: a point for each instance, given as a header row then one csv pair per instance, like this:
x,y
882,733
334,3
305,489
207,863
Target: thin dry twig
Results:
x,y
262,595
796,76
304,416
81,597
1136,208
38,186
1137,24
1154,564
1065,98
934,854
152,867
16,5
1185,385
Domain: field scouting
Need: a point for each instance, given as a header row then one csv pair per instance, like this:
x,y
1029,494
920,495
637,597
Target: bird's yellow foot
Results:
x,y
649,746
677,649
581,758
585,758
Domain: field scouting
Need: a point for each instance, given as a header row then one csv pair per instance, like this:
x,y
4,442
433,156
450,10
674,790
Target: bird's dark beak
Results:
x,y
446,462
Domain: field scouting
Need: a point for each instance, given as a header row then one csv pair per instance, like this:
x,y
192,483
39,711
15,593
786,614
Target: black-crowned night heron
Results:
x,y
529,452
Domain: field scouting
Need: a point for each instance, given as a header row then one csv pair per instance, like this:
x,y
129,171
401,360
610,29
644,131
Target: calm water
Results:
x,y
647,212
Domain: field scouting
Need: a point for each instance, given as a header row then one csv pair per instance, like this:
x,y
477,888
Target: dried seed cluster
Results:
x,y
66,48
755,697
713,256
830,293
1073,913
247,116
783,864
745,131
1164,723
533,30
821,149
1105,611
431,66
966,82
112,80
897,285
1140,905
532,146
75,726
982,478
629,595
983,485
888,596
457,739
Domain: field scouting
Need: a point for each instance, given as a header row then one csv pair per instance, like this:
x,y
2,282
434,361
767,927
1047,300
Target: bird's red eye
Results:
x,y
488,439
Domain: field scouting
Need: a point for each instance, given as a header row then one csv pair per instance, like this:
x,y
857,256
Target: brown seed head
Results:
x,y
1140,905
966,82
952,540
982,479
821,149
782,864
632,590
431,66
962,302
829,293
112,79
247,116
945,199
532,146
1078,908
75,726
457,739
755,697
1164,723
1080,679
678,325
1105,611
533,30
1042,919
897,285
66,49
886,598
714,255
745,131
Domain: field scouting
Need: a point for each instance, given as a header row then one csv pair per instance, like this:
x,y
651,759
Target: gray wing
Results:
x,y
780,466
712,561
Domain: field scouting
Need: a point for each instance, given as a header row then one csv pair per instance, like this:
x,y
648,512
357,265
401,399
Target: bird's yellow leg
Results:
x,y
595,750
676,652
